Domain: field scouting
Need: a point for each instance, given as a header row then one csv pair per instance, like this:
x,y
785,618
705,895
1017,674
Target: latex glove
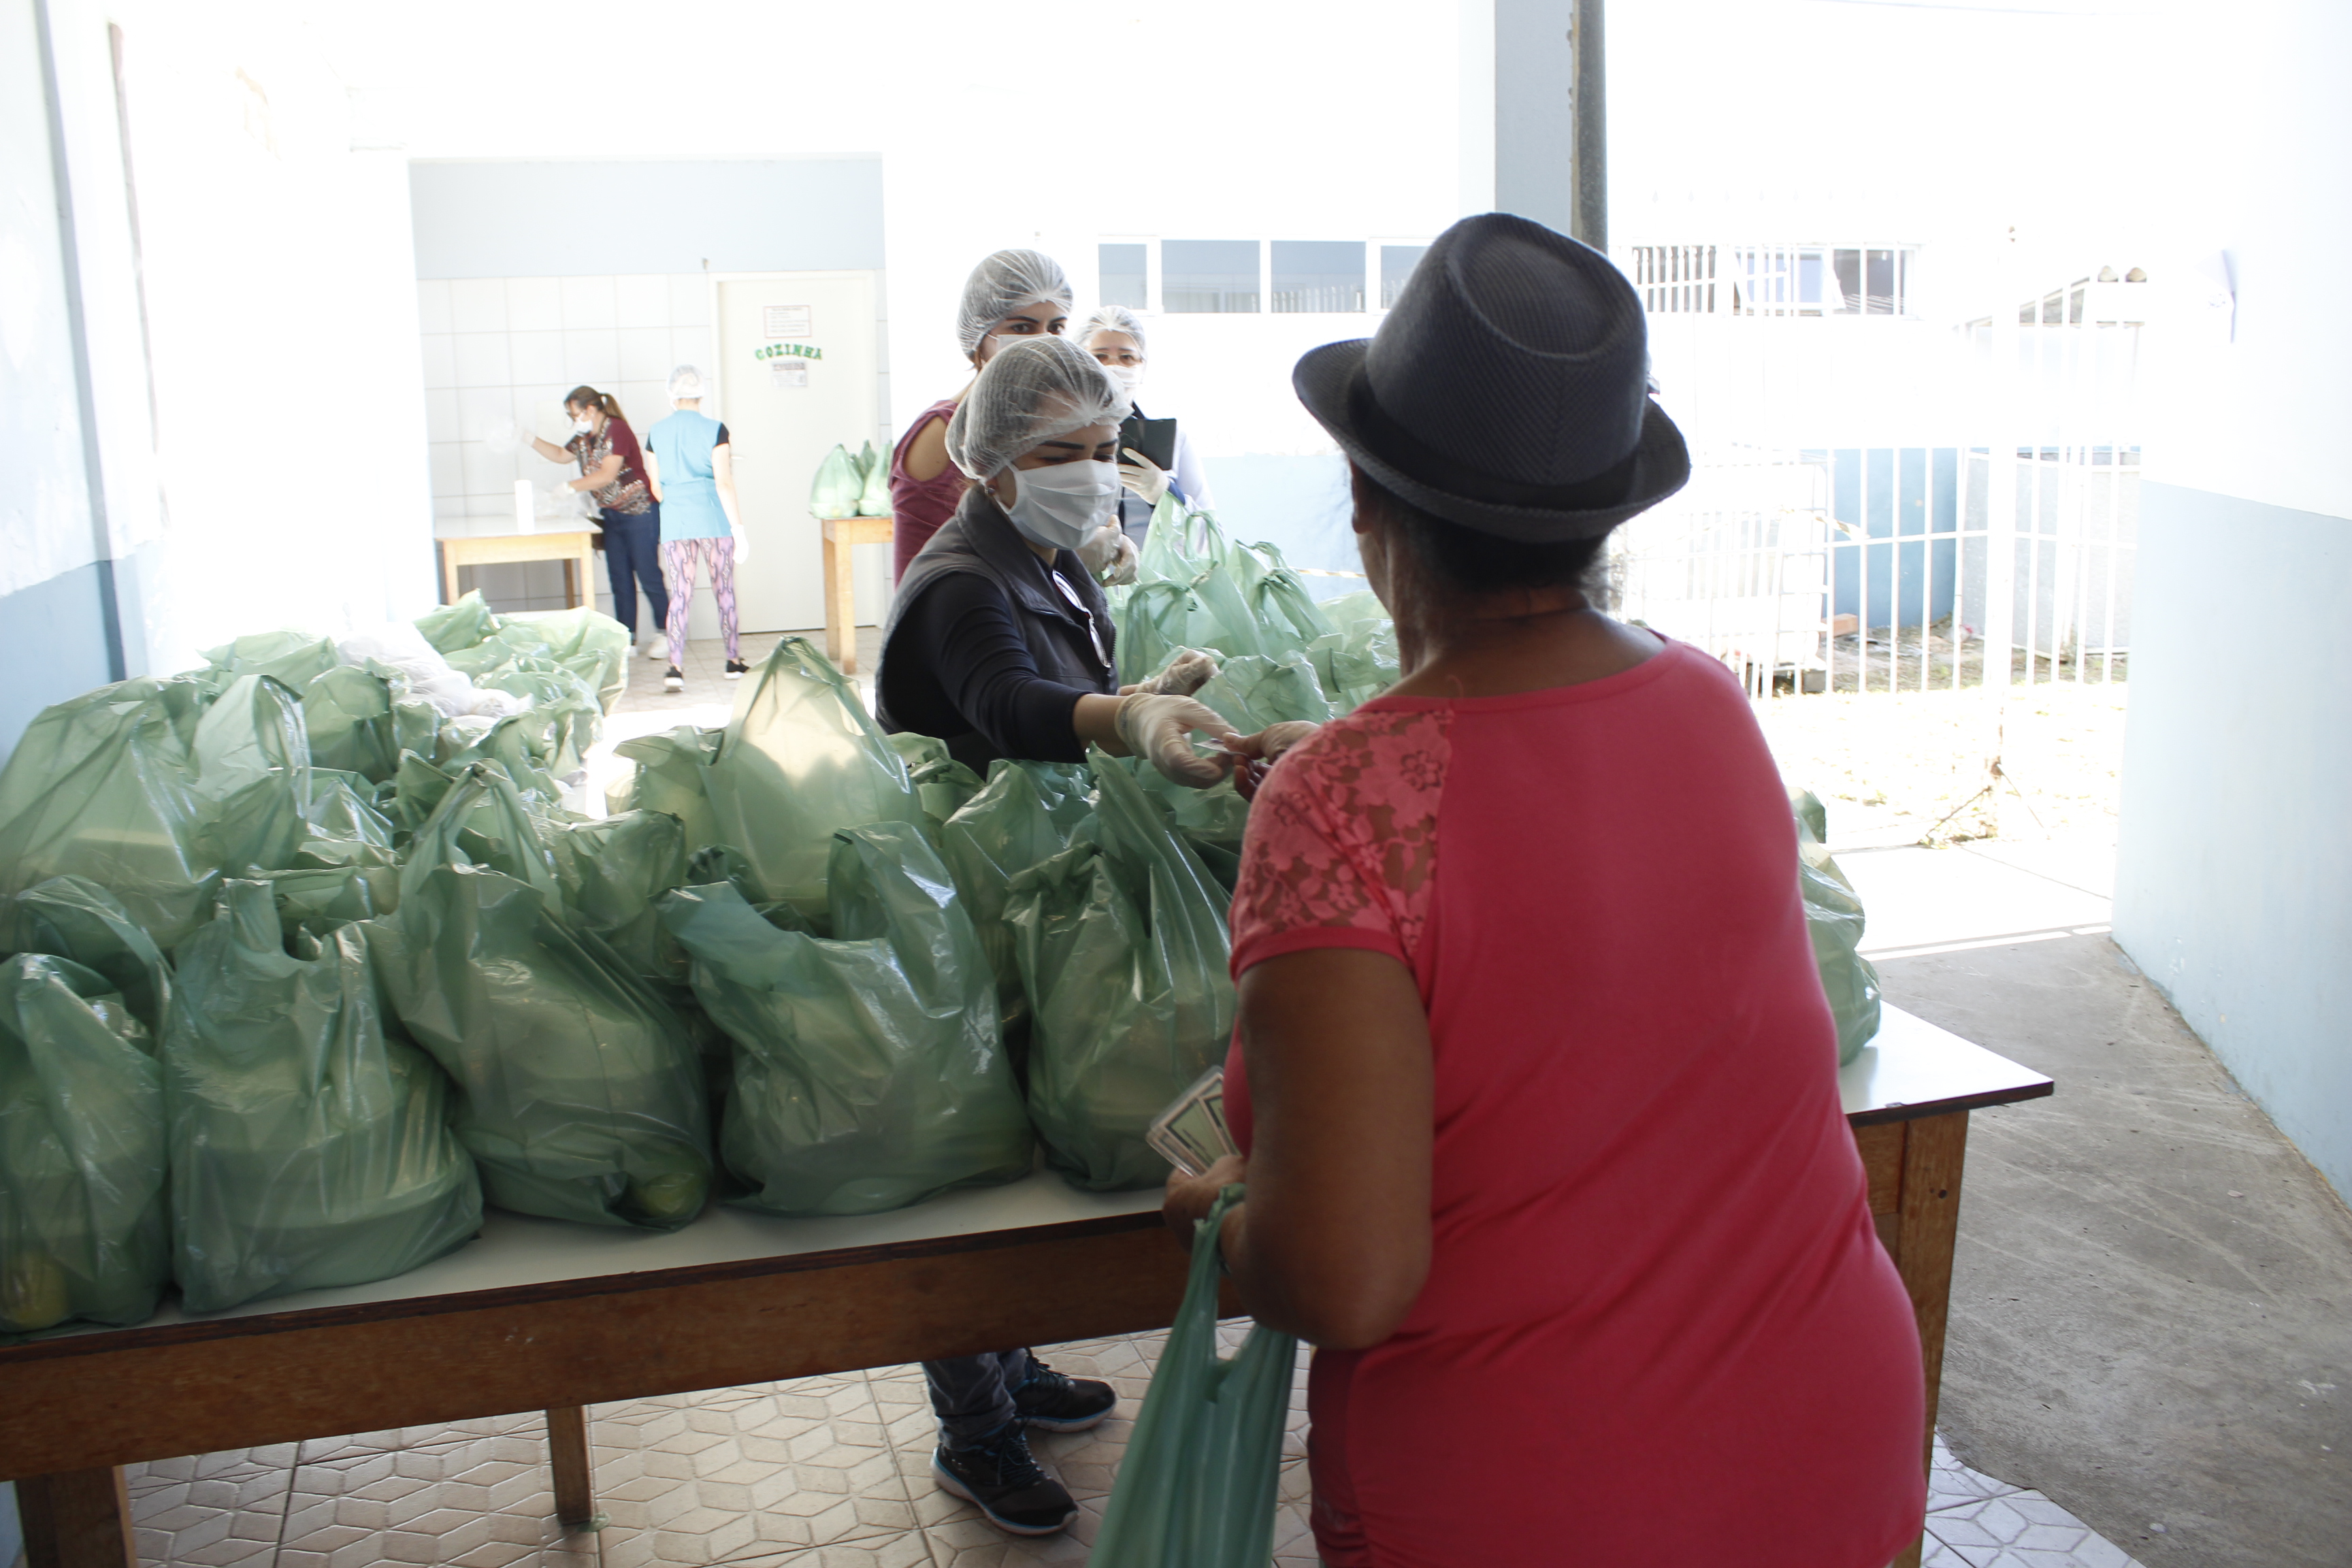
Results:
x,y
1108,555
503,437
1254,756
1160,729
742,542
1186,673
1141,475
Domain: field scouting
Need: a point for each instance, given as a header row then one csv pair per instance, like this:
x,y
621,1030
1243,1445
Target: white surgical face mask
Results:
x,y
583,423
1129,376
1060,505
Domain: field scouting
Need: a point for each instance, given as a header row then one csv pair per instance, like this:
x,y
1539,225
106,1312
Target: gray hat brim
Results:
x,y
1326,379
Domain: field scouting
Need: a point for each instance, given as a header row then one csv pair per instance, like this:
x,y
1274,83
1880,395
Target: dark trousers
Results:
x,y
633,556
973,1395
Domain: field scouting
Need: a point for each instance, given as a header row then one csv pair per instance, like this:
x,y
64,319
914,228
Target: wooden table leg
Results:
x,y
76,1519
448,575
840,612
567,1454
1928,1223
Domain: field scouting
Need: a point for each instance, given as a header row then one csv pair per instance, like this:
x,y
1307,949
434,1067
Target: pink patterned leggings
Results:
x,y
679,557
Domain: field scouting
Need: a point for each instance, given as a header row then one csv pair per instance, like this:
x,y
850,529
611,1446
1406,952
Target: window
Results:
x,y
1397,262
1318,274
1123,280
1676,279
1209,276
1817,281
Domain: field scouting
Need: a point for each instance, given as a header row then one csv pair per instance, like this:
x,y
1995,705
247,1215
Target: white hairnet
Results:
x,y
1032,391
685,381
1113,318
1003,284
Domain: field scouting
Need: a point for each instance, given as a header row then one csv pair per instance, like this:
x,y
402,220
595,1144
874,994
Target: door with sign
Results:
x,y
799,372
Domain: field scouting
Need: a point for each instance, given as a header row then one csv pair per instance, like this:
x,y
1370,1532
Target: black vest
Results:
x,y
981,542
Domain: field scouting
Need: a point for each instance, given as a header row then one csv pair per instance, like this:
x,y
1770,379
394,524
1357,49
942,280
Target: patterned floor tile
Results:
x,y
790,1467
527,1424
219,1511
484,1502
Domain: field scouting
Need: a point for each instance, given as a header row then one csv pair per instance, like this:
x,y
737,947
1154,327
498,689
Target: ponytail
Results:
x,y
589,398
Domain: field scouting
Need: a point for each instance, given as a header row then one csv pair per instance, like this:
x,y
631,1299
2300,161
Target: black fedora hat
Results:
x,y
1508,390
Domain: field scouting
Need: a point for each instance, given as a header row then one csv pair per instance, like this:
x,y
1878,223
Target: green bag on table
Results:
x,y
668,778
580,1092
83,1227
941,784
71,918
834,492
1833,919
612,871
584,639
873,496
100,787
309,1138
451,627
294,660
1252,691
252,779
359,720
1197,1486
1122,946
868,1070
1023,815
801,760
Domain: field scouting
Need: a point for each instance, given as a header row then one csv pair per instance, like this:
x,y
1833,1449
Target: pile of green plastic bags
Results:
x,y
304,960
851,486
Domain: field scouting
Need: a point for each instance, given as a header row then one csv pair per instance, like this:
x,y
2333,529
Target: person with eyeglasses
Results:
x,y
1001,644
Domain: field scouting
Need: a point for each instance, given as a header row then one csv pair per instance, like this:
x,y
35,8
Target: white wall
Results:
x,y
2235,851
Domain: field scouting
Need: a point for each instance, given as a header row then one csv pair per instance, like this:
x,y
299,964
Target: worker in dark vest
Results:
x,y
1000,643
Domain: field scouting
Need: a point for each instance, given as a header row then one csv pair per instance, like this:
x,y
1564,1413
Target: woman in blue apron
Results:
x,y
692,470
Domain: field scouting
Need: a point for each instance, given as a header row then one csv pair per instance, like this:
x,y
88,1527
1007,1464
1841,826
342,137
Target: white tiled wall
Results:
x,y
499,348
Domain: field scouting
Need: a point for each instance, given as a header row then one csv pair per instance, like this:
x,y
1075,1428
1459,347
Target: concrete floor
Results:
x,y
2152,1301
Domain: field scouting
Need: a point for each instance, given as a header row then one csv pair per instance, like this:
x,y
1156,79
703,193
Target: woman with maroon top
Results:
x,y
613,471
1012,295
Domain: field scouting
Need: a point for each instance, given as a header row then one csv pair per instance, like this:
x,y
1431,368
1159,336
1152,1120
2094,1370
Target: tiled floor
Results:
x,y
825,1472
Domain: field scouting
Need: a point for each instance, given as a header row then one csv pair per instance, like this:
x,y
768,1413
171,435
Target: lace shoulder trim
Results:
x,y
1344,834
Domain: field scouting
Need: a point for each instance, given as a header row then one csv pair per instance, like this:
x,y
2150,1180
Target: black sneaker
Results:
x,y
1056,1402
674,680
1001,1479
737,669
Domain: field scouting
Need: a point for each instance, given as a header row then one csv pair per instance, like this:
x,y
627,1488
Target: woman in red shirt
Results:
x,y
1535,1078
1012,295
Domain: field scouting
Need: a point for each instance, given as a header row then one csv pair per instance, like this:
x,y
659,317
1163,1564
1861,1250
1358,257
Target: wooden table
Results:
x,y
842,535
493,541
539,1314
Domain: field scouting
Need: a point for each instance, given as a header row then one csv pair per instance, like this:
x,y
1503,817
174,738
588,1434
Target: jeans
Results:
x,y
633,556
973,1395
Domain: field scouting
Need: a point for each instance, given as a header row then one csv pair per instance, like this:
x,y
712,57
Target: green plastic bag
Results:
x,y
83,1232
100,787
309,1140
252,783
834,492
359,719
1122,946
868,1071
1252,691
580,1094
941,784
318,899
1833,919
71,918
1197,1487
294,660
1213,821
873,496
1023,815
1276,596
801,760
613,872
668,778
1355,664
582,639
451,627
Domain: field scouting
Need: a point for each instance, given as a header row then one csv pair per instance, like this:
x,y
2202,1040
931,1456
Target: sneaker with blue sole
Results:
x,y
1052,1401
999,1476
